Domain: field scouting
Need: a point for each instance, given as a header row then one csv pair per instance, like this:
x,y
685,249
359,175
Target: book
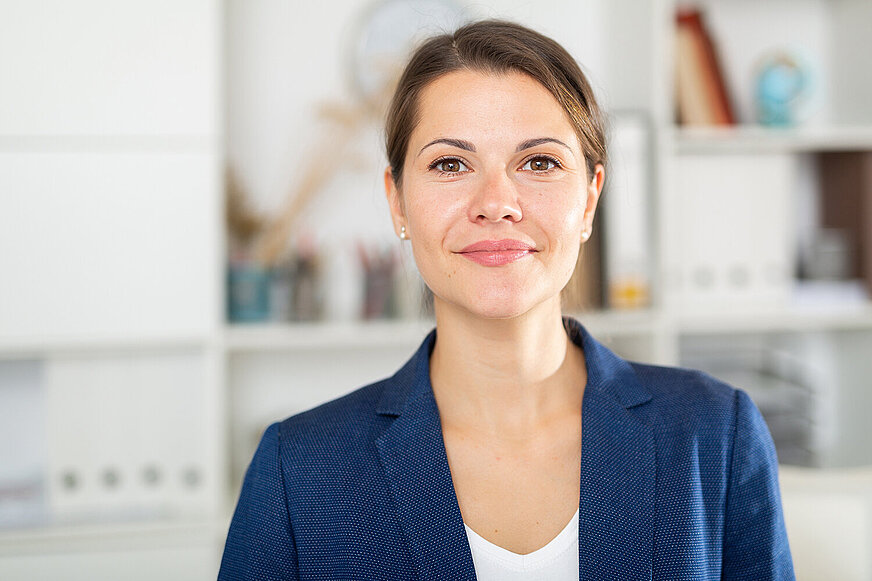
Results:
x,y
701,92
692,107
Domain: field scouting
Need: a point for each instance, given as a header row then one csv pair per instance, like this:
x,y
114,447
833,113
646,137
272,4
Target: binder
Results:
x,y
729,233
627,211
22,443
72,489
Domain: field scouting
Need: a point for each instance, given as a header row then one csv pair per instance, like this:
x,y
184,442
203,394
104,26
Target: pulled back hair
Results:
x,y
495,47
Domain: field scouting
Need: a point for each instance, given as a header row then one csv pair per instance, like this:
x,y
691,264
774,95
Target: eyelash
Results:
x,y
548,158
434,166
436,162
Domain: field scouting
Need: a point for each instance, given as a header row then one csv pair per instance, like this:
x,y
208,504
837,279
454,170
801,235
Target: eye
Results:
x,y
449,165
540,164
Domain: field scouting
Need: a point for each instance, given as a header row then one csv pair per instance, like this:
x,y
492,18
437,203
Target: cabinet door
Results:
x,y
108,246
729,231
102,67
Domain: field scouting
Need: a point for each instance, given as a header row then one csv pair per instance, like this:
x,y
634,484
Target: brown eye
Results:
x,y
449,165
540,164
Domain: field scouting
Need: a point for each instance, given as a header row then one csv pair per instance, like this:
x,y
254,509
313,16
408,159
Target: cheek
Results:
x,y
427,227
432,214
560,215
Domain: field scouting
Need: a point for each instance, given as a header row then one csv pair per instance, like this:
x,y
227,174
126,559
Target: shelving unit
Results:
x,y
111,248
639,33
249,375
762,180
756,139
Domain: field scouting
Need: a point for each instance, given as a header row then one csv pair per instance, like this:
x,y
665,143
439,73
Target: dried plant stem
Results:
x,y
345,121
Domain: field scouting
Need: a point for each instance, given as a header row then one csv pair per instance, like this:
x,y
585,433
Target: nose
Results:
x,y
495,200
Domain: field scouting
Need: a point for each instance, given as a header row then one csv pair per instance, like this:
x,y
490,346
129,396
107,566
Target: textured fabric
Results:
x,y
679,481
556,561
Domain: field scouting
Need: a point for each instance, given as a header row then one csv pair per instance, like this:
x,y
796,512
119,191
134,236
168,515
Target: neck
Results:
x,y
505,374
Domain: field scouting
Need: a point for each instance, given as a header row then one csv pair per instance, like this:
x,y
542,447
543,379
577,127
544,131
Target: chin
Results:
x,y
494,303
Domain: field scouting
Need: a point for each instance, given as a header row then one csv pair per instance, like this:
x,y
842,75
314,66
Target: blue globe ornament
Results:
x,y
781,85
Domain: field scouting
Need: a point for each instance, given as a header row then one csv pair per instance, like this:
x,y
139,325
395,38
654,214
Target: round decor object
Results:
x,y
387,32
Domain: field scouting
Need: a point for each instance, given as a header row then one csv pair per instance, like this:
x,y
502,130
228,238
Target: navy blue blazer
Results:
x,y
678,481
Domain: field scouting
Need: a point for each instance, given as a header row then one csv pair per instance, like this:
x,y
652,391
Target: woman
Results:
x,y
512,445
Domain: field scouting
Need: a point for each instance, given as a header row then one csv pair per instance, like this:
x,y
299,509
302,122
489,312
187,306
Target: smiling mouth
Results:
x,y
497,252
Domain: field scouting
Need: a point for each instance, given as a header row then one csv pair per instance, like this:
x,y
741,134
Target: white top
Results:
x,y
556,561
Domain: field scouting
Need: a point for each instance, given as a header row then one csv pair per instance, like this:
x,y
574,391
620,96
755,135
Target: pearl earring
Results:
x,y
402,232
585,235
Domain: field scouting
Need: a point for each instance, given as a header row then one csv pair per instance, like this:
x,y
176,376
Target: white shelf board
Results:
x,y
247,337
617,323
282,336
748,138
115,144
161,533
804,318
46,346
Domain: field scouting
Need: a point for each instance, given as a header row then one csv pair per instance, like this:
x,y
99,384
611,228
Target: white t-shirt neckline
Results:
x,y
487,553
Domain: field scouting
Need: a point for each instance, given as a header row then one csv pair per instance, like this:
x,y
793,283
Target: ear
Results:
x,y
594,189
395,202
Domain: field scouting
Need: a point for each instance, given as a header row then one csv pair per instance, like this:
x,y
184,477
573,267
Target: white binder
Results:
x,y
626,204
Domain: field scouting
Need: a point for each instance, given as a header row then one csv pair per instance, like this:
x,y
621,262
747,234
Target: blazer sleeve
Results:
x,y
260,544
755,539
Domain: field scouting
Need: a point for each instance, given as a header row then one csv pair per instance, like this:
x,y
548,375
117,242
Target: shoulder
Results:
x,y
685,388
661,396
350,416
696,404
695,414
361,416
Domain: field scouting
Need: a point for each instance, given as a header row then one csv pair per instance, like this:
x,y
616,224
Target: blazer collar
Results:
x,y
606,372
413,455
617,469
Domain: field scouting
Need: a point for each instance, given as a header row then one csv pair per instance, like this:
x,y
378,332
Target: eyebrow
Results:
x,y
458,143
539,141
468,146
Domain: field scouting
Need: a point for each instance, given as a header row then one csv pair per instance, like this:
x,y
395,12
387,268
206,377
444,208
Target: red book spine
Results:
x,y
712,73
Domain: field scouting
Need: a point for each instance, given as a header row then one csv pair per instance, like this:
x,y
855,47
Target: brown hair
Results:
x,y
495,46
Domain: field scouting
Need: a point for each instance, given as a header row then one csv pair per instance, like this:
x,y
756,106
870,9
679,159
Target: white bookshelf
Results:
x,y
111,248
166,128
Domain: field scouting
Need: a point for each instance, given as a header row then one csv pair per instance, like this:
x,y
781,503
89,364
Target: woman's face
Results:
x,y
495,193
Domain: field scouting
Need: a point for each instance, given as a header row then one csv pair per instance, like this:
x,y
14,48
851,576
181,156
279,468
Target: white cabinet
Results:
x,y
111,252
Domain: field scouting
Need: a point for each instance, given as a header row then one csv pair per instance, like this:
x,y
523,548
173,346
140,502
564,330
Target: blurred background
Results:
x,y
194,243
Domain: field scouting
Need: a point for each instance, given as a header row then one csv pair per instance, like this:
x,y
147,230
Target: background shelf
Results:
x,y
755,139
49,346
774,320
158,533
241,338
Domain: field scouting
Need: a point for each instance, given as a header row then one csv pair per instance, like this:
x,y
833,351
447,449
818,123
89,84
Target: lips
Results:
x,y
497,252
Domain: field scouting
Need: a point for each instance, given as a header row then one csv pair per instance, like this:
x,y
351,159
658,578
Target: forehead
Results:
x,y
510,104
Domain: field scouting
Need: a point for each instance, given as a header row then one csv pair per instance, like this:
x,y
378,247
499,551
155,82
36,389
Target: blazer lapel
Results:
x,y
618,470
412,453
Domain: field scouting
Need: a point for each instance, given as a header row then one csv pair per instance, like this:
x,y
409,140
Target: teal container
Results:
x,y
248,293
